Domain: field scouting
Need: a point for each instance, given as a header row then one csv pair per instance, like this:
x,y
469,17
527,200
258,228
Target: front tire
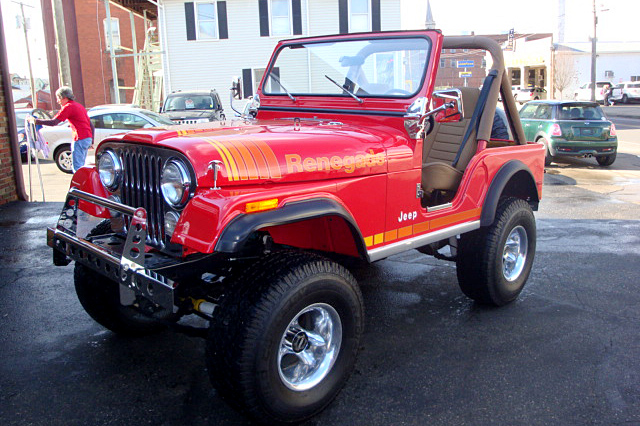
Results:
x,y
100,298
493,263
285,341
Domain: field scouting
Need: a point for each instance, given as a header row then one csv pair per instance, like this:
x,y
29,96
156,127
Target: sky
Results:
x,y
16,46
618,21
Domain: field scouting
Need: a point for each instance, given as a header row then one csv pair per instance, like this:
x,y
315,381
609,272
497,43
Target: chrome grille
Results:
x,y
141,188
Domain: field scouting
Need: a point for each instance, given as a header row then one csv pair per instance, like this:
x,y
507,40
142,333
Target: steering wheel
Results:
x,y
397,92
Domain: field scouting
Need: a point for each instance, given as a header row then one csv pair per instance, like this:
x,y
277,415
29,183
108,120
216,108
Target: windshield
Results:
x,y
580,112
157,117
186,102
393,67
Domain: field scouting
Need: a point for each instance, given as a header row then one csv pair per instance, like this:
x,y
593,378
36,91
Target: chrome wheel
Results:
x,y
309,347
514,255
65,161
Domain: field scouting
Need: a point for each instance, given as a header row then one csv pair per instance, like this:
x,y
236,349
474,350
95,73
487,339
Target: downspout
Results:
x,y
11,123
166,68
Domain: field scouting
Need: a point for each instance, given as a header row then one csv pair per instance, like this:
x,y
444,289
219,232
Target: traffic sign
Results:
x,y
465,64
465,74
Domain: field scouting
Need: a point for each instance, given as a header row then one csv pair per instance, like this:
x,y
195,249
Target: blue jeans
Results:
x,y
79,150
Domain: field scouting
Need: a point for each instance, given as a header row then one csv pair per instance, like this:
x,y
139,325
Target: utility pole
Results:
x,y
34,95
593,54
64,65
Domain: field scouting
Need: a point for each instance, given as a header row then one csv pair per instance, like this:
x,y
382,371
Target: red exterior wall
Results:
x,y
7,175
86,41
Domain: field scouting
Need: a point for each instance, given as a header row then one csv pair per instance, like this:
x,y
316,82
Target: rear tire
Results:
x,y
494,262
285,341
606,160
625,99
548,159
64,158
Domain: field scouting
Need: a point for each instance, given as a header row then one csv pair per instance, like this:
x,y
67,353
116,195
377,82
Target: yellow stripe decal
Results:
x,y
227,159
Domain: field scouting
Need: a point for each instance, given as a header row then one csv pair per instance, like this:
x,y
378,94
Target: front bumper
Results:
x,y
121,260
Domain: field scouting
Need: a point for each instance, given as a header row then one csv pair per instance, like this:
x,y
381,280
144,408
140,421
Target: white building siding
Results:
x,y
211,64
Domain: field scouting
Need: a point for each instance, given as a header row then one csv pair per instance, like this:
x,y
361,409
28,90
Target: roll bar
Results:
x,y
501,85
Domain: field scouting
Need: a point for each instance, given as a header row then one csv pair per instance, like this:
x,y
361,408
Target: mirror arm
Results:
x,y
433,111
231,101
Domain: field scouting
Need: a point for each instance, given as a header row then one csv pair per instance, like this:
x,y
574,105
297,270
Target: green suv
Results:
x,y
569,128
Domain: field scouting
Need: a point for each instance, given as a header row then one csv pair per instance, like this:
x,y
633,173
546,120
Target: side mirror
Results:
x,y
236,88
447,105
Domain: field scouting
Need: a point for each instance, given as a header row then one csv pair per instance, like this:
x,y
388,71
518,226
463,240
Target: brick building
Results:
x,y
88,47
11,188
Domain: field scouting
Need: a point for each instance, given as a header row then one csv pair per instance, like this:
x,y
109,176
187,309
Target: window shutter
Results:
x,y
297,17
263,10
190,16
223,32
375,15
247,82
343,16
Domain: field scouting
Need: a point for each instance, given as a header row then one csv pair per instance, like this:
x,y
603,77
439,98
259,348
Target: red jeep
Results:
x,y
351,154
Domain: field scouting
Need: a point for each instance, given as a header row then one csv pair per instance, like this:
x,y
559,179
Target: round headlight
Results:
x,y
170,222
110,169
175,183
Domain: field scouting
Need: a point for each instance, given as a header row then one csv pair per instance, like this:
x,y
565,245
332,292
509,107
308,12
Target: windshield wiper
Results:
x,y
349,92
283,88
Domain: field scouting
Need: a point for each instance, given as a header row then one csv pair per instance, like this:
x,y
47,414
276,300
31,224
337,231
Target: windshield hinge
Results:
x,y
419,191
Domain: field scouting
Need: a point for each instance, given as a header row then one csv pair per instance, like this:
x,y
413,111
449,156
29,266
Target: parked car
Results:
x,y
583,93
530,94
21,115
193,107
625,92
569,128
107,121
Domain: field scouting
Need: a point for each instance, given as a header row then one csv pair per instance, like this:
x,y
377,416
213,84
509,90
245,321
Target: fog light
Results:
x,y
170,222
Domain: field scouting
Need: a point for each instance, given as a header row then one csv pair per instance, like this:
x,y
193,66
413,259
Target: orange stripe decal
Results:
x,y
419,228
252,169
261,162
405,232
457,217
391,235
272,161
242,167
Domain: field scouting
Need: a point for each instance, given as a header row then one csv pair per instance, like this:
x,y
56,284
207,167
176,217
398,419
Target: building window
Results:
x,y
359,16
453,63
280,17
443,63
452,51
635,78
115,31
207,21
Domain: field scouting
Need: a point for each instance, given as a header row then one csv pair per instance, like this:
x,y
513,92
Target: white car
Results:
x,y
107,121
625,92
583,93
530,94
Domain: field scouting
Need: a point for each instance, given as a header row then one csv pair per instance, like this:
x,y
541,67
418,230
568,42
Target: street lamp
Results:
x,y
593,52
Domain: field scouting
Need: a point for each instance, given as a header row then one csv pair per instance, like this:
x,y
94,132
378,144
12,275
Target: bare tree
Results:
x,y
564,72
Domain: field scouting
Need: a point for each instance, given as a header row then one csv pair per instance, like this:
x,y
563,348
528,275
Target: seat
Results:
x,y
441,147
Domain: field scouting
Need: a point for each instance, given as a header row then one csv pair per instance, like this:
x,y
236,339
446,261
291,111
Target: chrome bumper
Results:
x,y
121,261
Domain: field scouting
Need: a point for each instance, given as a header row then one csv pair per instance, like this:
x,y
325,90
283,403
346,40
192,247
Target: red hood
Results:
x,y
273,151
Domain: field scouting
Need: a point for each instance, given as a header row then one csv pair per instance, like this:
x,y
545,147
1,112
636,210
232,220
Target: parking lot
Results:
x,y
566,352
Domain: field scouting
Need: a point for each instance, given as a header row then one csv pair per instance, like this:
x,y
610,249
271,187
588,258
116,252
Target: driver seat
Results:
x,y
441,147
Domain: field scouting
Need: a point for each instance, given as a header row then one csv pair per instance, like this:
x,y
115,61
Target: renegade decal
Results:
x,y
246,159
420,228
349,163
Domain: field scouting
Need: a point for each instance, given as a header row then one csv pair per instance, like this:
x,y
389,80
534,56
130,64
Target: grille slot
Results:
x,y
141,188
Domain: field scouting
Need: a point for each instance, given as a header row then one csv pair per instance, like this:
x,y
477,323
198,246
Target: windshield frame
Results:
x,y
362,37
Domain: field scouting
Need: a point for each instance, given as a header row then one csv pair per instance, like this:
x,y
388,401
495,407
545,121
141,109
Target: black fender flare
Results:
x,y
237,232
498,185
